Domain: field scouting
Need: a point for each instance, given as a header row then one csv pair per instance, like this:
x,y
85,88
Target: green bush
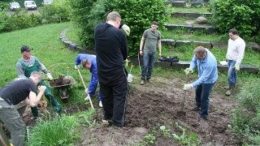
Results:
x,y
18,20
59,11
137,14
244,15
246,118
3,6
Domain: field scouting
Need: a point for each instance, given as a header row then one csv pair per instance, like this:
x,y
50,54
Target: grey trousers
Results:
x,y
13,122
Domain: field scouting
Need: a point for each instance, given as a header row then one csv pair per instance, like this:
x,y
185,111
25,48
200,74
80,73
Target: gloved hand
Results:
x,y
86,91
42,88
188,71
76,66
88,97
187,86
49,76
237,67
126,29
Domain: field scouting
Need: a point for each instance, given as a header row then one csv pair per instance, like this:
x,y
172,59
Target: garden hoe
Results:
x,y
91,104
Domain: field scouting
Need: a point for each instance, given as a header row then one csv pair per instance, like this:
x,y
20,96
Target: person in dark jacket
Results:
x,y
111,50
12,94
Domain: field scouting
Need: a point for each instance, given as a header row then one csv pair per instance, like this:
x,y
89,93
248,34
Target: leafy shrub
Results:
x,y
19,20
243,15
246,118
3,6
59,11
138,15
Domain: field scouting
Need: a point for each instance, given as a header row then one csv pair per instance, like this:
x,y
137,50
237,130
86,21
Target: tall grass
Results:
x,y
60,131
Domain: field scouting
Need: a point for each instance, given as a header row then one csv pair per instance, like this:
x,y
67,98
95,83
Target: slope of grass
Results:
x,y
47,47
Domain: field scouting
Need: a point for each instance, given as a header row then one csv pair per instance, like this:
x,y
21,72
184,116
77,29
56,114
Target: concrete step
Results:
x,y
191,14
183,3
177,43
194,27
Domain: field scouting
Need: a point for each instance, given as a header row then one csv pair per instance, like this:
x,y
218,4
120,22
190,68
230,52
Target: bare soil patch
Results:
x,y
159,103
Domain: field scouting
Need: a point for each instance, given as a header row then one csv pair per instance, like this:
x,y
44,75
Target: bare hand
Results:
x,y
141,53
42,88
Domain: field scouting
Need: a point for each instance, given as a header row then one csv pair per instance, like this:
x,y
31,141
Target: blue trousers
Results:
x,y
148,62
232,75
202,98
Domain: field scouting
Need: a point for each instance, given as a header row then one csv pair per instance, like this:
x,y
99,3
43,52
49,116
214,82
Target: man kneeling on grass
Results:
x,y
206,64
14,93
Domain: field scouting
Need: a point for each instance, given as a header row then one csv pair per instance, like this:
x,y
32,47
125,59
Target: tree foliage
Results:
x,y
244,15
137,14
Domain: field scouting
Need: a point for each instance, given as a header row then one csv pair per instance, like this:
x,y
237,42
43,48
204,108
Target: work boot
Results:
x,y
142,82
228,93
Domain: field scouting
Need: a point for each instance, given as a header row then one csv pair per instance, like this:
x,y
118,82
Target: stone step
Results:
x,y
177,43
190,14
183,3
206,28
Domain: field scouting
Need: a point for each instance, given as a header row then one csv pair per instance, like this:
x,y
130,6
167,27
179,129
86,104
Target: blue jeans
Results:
x,y
148,62
232,75
202,98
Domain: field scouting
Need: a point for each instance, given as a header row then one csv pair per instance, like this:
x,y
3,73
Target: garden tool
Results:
x,y
91,104
139,63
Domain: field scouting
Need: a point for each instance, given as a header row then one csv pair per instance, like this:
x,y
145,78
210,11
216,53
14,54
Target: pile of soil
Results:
x,y
159,103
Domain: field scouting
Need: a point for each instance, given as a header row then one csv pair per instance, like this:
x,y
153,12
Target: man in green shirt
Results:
x,y
28,64
151,40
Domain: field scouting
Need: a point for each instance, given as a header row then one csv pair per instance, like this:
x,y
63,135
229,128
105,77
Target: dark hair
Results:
x,y
233,31
155,23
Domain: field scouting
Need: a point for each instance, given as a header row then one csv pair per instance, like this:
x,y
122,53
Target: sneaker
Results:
x,y
228,93
100,104
142,82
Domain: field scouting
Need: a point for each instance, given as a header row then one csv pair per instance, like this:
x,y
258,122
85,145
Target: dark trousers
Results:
x,y
148,62
13,122
202,98
114,102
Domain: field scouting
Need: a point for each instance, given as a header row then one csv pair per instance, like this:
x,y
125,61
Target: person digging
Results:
x,y
88,61
28,64
11,95
206,64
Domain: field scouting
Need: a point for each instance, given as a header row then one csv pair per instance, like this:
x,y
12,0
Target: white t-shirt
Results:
x,y
236,49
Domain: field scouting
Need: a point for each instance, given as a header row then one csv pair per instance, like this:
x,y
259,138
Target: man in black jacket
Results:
x,y
111,50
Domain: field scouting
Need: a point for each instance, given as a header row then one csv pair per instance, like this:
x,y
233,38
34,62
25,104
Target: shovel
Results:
x,y
91,104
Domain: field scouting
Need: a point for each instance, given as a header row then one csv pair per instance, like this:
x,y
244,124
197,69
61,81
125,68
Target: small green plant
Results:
x,y
165,131
246,117
148,140
186,138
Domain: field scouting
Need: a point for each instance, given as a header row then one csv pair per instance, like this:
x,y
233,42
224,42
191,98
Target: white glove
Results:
x,y
49,76
223,63
88,97
187,86
86,91
130,78
77,66
188,71
126,29
237,67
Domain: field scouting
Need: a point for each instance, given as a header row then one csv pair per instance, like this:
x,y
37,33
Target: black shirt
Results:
x,y
111,50
17,91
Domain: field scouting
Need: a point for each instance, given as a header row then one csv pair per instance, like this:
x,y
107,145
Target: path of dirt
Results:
x,y
157,103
